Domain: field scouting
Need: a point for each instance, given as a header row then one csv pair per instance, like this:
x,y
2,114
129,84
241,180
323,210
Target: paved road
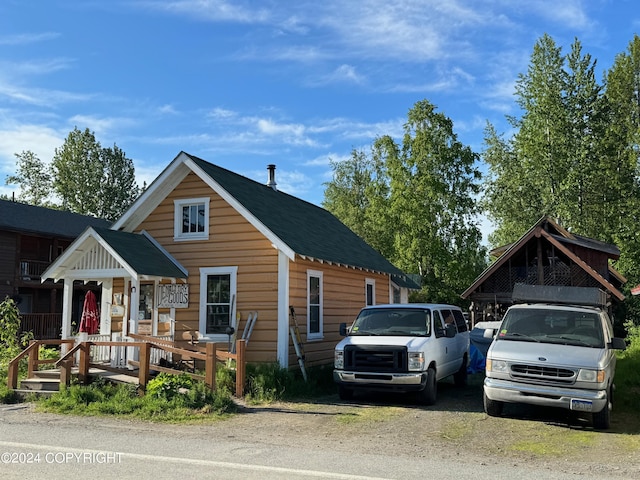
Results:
x,y
54,447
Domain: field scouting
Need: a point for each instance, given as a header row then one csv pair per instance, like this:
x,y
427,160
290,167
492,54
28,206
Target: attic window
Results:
x,y
191,219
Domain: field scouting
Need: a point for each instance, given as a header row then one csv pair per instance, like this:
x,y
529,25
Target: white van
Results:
x,y
555,349
402,348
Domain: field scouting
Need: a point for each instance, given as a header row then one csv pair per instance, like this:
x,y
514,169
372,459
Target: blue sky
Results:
x,y
244,84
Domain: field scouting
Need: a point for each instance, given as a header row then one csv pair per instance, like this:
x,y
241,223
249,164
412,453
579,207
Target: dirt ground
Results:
x,y
455,426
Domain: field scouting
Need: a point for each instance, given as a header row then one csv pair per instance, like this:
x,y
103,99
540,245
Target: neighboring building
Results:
x,y
545,255
203,248
31,238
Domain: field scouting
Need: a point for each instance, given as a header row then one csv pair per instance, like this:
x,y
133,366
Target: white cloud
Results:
x,y
214,10
27,38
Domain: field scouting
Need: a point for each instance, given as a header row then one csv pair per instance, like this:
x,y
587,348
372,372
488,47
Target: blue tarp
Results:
x,y
480,345
476,360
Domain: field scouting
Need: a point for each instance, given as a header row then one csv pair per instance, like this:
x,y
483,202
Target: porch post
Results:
x,y
134,304
105,306
282,353
67,307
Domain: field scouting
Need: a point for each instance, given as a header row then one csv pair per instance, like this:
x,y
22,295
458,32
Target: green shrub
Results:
x,y
167,385
103,398
270,382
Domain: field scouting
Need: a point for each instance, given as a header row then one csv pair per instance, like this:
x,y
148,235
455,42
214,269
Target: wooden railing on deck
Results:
x,y
66,362
32,352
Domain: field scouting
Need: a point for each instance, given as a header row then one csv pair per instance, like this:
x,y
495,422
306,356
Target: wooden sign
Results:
x,y
173,295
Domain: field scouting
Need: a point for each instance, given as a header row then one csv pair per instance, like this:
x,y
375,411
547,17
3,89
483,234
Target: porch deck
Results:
x,y
86,358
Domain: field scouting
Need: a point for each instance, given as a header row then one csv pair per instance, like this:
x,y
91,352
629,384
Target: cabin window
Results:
x,y
370,292
314,305
397,294
217,302
191,219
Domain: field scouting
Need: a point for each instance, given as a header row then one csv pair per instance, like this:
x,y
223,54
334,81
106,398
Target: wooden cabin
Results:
x,y
31,238
547,254
204,249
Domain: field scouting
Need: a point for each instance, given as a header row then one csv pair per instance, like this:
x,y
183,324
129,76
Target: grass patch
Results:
x,y
195,404
548,441
268,383
368,415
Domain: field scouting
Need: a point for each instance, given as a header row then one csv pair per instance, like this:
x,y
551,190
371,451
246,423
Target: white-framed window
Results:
x,y
191,219
370,292
217,302
314,305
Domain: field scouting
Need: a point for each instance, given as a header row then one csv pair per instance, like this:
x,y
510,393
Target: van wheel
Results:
x,y
493,408
460,377
345,393
428,395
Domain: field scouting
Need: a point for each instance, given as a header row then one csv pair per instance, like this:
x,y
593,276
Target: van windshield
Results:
x,y
390,321
546,325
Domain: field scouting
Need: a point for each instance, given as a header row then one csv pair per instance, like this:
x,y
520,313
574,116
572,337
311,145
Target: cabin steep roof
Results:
x,y
294,225
564,242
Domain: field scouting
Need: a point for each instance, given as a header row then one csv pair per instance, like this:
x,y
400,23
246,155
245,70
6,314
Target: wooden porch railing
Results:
x,y
209,356
33,362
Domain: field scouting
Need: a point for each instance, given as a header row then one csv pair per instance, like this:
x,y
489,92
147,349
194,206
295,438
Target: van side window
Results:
x,y
460,321
448,317
438,323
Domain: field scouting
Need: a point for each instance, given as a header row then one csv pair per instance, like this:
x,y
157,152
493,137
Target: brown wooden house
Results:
x,y
547,254
31,238
203,249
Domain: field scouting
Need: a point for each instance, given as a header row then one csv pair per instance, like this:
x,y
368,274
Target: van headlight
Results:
x,y
338,359
594,376
416,361
498,366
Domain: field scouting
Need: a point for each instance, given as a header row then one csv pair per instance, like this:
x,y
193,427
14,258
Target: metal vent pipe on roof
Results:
x,y
271,182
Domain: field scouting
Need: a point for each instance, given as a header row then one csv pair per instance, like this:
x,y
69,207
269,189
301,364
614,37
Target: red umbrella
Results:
x,y
90,321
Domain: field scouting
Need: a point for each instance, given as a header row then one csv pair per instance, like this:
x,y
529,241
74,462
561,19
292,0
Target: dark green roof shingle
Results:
x,y
306,228
140,253
20,217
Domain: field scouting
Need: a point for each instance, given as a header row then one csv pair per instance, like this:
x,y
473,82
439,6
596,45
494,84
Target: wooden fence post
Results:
x,y
145,356
65,373
83,366
12,377
240,367
210,366
32,360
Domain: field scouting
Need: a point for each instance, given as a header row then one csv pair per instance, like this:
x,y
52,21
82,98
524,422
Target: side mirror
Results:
x,y
343,329
488,333
618,343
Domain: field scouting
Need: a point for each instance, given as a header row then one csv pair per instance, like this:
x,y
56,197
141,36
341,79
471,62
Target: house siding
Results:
x,y
9,249
343,297
233,241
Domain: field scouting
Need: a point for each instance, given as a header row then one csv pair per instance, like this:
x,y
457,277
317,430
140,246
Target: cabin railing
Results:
x,y
80,355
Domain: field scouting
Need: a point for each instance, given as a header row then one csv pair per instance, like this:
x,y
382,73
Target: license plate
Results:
x,y
581,405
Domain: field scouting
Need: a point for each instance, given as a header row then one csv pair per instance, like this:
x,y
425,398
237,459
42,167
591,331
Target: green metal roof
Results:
x,y
306,228
141,254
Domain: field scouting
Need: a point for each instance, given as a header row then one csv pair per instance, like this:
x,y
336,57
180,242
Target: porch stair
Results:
x,y
47,382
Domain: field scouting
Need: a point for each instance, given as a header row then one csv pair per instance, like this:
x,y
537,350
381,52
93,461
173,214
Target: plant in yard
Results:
x,y
167,385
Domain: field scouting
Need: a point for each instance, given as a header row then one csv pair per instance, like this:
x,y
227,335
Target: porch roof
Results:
x,y
103,253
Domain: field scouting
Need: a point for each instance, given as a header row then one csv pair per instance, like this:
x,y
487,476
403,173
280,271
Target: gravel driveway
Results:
x,y
455,426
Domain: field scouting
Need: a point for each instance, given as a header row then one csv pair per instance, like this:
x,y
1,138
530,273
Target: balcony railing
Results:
x,y
32,269
45,326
